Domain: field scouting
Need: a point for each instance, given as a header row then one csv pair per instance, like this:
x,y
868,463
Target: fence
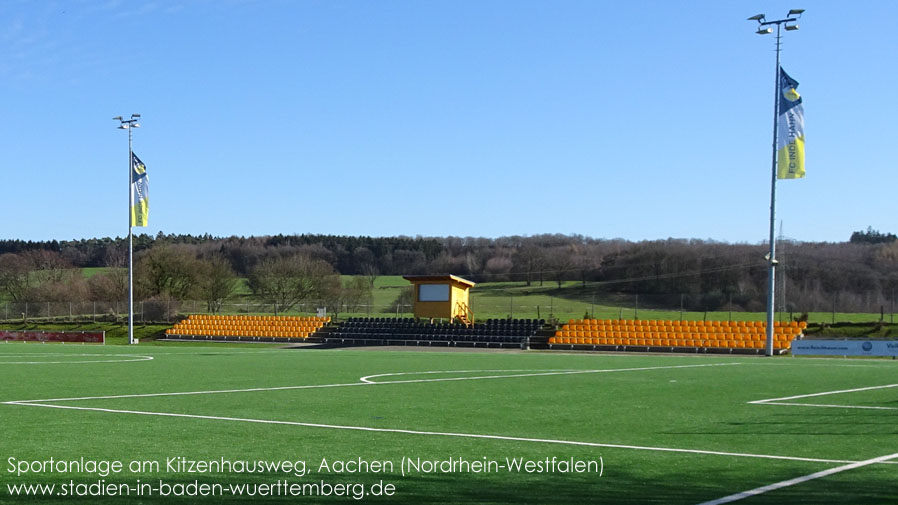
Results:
x,y
484,305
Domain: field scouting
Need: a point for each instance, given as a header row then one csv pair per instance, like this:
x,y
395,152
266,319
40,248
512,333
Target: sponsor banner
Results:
x,y
86,337
846,347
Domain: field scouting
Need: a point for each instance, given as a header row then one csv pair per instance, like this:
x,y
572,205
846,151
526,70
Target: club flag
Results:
x,y
790,130
140,192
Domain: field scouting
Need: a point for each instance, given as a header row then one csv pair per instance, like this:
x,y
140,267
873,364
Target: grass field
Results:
x,y
649,428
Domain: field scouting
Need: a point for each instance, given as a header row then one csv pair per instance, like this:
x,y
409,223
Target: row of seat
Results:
x,y
623,344
659,323
248,326
754,342
460,331
408,320
390,325
509,330
422,337
515,322
713,333
219,317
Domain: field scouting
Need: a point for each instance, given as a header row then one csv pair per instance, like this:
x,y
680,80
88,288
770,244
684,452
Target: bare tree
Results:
x,y
288,281
47,266
169,271
14,271
345,295
367,264
530,261
217,281
112,284
560,263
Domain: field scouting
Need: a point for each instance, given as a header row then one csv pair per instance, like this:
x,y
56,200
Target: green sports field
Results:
x,y
239,425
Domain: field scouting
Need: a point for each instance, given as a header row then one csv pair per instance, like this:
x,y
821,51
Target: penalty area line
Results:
x,y
824,393
785,400
530,373
364,382
798,480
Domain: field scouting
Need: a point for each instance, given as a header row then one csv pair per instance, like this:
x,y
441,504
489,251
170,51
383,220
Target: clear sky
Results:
x,y
636,119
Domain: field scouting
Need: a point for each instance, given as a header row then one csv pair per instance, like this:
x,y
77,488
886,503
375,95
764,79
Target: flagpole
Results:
x,y
130,124
130,239
771,255
763,29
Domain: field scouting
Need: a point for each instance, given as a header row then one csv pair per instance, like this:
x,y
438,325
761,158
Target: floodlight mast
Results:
x,y
130,124
765,27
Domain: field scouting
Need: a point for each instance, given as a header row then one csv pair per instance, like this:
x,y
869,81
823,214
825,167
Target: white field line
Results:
x,y
435,433
785,400
826,405
42,403
799,480
532,374
368,378
135,357
362,382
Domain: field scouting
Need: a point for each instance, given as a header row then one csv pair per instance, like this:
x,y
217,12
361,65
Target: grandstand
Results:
x,y
747,337
246,328
408,331
655,335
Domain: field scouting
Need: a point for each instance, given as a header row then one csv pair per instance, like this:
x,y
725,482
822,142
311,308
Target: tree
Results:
x,y
168,271
14,271
111,285
47,266
366,264
217,281
106,287
290,280
529,260
345,295
872,236
560,262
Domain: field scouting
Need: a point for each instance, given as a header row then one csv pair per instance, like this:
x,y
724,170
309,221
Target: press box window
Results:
x,y
433,293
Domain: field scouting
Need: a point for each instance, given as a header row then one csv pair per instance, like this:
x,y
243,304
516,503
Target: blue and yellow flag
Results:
x,y
790,136
140,192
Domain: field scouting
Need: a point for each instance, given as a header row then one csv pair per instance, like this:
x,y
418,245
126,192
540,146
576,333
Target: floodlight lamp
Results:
x,y
123,127
764,31
791,28
756,17
793,12
135,125
117,118
135,116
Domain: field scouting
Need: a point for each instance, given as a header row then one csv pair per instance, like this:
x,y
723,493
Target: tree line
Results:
x,y
859,275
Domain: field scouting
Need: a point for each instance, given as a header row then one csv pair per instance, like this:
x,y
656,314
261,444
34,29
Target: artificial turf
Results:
x,y
534,406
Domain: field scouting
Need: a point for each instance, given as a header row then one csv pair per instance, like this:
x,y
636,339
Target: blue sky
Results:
x,y
639,120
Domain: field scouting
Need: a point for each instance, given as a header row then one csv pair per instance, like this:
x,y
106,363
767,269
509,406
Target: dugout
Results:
x,y
442,297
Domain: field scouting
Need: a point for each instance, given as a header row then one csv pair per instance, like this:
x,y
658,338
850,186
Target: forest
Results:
x,y
860,274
